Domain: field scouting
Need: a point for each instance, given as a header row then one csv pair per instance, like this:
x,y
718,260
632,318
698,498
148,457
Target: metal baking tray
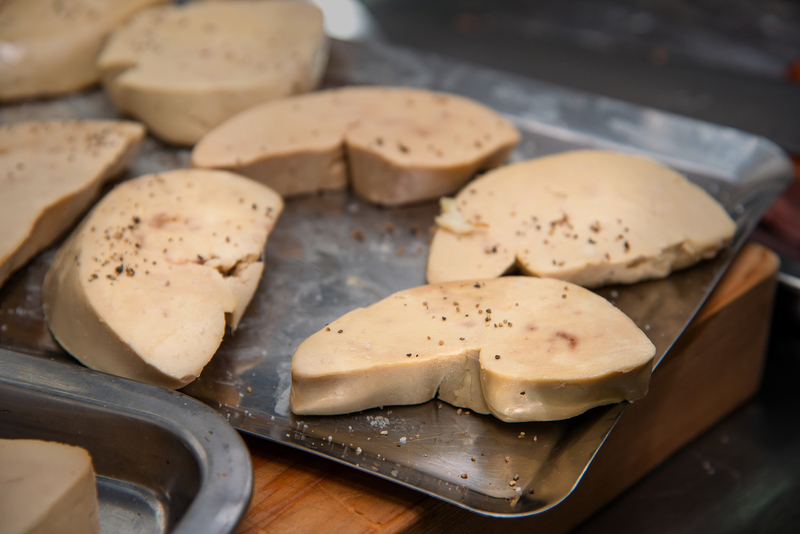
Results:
x,y
331,253
164,462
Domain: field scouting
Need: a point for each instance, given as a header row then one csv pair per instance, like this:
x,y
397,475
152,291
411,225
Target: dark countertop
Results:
x,y
723,62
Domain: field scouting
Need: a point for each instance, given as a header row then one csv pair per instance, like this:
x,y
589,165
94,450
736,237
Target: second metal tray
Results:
x,y
164,462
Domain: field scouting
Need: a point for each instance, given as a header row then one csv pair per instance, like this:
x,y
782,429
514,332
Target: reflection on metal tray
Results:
x,y
164,462
318,267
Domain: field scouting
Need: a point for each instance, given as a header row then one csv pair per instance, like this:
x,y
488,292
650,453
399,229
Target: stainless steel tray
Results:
x,y
164,462
331,253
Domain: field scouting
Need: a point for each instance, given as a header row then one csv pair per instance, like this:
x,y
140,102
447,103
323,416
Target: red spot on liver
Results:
x,y
569,338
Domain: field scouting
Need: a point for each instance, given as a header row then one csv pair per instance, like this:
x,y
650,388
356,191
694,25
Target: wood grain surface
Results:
x,y
714,367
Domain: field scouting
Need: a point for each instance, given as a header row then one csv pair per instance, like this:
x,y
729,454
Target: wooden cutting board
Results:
x,y
714,367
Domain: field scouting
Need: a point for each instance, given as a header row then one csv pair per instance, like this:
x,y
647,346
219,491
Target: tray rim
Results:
x,y
223,460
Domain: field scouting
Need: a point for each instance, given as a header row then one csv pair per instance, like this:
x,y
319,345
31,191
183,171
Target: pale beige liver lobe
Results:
x,y
590,217
521,348
394,145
